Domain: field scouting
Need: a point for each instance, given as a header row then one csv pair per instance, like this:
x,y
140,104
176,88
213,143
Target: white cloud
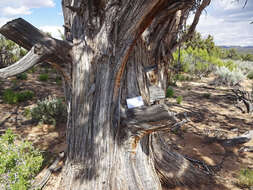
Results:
x,y
53,30
10,11
8,8
4,20
227,23
225,4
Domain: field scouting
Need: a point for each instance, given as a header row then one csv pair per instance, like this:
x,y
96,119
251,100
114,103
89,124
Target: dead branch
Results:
x,y
245,97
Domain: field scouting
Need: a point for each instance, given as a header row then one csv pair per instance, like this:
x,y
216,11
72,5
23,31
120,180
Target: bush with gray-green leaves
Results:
x,y
229,77
49,111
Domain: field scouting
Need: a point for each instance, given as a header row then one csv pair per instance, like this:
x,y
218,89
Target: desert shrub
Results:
x,y
12,97
19,162
179,99
49,111
43,77
230,65
58,80
245,178
32,70
250,75
227,77
22,76
207,95
169,92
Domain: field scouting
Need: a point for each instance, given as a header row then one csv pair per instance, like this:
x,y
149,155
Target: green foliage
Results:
x,y
245,178
27,113
12,51
207,95
49,111
179,99
32,70
247,57
22,76
43,77
19,162
58,80
250,75
11,97
170,92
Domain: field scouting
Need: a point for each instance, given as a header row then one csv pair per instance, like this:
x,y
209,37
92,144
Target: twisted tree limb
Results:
x,y
42,48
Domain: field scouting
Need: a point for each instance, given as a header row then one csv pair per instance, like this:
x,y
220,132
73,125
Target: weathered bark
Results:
x,y
104,152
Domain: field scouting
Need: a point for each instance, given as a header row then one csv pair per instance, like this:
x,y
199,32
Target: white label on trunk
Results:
x,y
134,102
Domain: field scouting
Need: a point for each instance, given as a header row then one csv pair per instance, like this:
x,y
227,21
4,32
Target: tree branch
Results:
x,y
26,35
192,28
35,56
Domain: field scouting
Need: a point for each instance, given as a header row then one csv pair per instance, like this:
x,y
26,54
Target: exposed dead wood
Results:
x,y
192,28
35,56
245,97
26,35
53,168
58,52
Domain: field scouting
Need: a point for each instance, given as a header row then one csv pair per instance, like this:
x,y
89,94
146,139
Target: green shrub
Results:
x,y
169,92
27,113
250,75
11,97
179,99
19,162
32,70
24,95
43,77
22,76
49,111
207,95
245,178
58,80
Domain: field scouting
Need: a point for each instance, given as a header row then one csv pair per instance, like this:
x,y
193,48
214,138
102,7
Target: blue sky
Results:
x,y
226,20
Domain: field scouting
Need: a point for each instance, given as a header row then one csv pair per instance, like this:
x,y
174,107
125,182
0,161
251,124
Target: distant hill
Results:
x,y
240,49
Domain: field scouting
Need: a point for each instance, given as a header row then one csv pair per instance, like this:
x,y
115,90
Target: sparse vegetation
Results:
x,y
32,70
19,162
43,77
22,76
49,111
58,80
207,95
170,92
12,97
228,77
245,178
179,99
250,75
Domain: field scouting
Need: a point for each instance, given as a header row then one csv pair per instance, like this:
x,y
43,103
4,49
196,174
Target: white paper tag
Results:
x,y
134,102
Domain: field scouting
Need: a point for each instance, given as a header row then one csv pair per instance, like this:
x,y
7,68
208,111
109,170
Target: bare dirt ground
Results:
x,y
211,116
